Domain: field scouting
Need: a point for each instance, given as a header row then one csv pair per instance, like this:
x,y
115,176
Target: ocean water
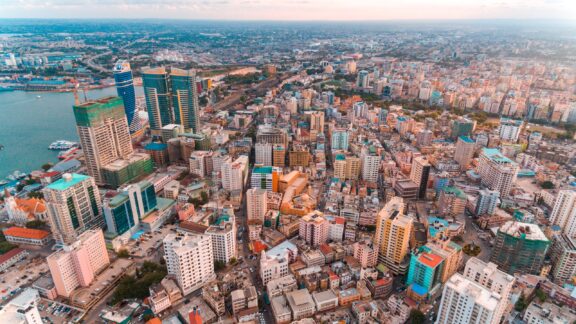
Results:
x,y
30,121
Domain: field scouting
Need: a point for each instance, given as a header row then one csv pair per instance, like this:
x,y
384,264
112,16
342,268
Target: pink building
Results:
x,y
366,253
314,228
78,264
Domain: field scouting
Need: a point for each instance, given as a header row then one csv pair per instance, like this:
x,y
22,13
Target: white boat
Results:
x,y
62,145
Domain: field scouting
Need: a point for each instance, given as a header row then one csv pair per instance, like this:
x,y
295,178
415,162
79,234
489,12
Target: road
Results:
x,y
93,65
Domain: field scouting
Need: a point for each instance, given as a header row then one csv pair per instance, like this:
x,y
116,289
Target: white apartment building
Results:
x,y
340,139
256,205
464,151
23,309
564,212
272,267
509,129
563,255
464,301
74,206
314,228
263,154
233,173
496,281
190,259
223,235
496,171
370,167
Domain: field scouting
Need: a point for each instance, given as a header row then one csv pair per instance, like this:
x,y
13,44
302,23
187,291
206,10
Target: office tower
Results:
x,y
272,267
370,165
490,277
265,178
74,206
363,79
316,120
233,173
419,174
520,247
509,129
496,171
78,264
263,153
462,127
564,212
272,135
486,202
464,152
563,257
425,271
464,302
125,89
23,309
256,205
340,139
299,155
441,181
189,258
103,130
124,211
314,228
393,232
534,140
347,167
279,155
223,235
171,98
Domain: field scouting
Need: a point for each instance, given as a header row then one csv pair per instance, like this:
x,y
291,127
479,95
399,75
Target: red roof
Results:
x,y
340,220
258,246
10,254
28,233
325,248
431,260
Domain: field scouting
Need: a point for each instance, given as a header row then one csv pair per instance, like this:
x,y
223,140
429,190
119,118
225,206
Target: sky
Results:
x,y
292,9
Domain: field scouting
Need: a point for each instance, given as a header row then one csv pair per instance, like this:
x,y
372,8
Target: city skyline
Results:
x,y
300,10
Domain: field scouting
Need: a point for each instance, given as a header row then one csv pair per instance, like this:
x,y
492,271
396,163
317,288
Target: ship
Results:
x,y
62,145
16,175
2,88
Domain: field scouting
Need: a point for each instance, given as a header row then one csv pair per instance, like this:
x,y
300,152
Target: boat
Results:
x,y
6,89
16,175
38,97
1,147
62,145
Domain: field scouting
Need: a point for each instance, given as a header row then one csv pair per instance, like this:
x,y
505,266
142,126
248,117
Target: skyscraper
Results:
x,y
189,258
74,206
464,151
419,174
103,130
497,171
256,205
564,212
171,98
340,139
563,257
520,247
486,202
393,231
125,89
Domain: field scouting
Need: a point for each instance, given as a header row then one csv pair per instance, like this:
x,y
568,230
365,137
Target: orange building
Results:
x,y
29,236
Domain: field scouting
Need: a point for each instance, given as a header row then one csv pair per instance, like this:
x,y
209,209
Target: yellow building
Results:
x,y
393,231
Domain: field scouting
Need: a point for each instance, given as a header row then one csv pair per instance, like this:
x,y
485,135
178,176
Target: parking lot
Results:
x,y
21,274
55,312
148,243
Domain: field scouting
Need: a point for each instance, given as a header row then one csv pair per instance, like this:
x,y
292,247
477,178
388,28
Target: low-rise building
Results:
x,y
325,300
280,286
281,310
301,304
27,236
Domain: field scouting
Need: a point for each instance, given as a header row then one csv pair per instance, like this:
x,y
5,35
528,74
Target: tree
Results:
x,y
457,239
123,253
219,265
138,286
541,295
36,194
233,261
36,224
204,196
416,317
5,247
521,303
547,185
46,166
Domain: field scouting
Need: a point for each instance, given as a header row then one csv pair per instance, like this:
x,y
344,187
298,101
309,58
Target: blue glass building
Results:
x,y
125,89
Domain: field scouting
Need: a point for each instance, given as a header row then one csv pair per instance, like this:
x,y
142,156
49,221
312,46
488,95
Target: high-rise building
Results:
x,y
425,270
452,201
486,202
234,173
171,98
496,171
125,88
488,276
564,212
279,155
419,174
124,211
265,178
263,154
347,167
509,129
520,247
272,135
563,256
316,120
23,309
74,206
393,232
78,264
272,267
363,79
223,235
464,302
366,253
256,205
464,152
189,258
340,139
314,228
370,165
462,127
103,130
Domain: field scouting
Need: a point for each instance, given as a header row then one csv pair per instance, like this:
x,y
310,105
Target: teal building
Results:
x,y
125,210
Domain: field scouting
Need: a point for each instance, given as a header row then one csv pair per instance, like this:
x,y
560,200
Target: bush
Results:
x,y
416,317
547,185
36,224
123,253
